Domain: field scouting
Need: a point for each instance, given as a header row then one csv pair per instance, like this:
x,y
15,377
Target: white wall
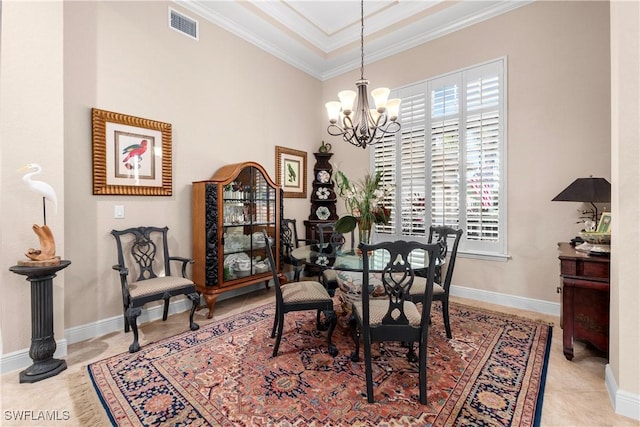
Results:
x,y
623,371
31,131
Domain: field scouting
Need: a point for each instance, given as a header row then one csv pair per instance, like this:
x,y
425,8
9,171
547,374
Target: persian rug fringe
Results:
x,y
88,410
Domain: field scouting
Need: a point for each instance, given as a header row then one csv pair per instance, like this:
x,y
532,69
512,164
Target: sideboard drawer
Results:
x,y
585,268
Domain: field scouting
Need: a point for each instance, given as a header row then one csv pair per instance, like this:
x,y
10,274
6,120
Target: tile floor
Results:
x,y
575,393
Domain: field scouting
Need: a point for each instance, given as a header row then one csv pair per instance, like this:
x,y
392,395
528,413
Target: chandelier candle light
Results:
x,y
363,126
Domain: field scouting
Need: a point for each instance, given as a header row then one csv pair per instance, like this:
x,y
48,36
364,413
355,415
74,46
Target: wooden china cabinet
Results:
x,y
229,212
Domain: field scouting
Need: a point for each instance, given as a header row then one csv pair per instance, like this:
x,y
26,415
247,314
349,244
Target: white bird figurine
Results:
x,y
40,187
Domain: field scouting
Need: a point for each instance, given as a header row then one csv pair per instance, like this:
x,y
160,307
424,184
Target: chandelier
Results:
x,y
363,126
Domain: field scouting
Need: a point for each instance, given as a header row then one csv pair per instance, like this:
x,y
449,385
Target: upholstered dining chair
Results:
x,y
300,296
334,241
394,317
140,251
441,286
288,242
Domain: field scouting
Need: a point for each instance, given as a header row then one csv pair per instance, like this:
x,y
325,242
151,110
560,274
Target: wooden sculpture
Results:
x,y
46,255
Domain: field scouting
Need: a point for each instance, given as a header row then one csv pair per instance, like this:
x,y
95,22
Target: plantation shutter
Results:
x,y
412,190
447,162
385,160
402,158
445,94
484,210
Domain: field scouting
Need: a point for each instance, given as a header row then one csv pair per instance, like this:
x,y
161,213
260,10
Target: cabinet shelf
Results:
x,y
245,224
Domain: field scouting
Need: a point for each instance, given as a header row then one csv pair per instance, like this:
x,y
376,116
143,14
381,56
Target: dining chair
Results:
x,y
288,242
334,241
140,250
394,317
300,296
441,286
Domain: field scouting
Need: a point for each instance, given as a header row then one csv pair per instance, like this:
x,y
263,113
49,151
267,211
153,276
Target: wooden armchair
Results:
x,y
141,249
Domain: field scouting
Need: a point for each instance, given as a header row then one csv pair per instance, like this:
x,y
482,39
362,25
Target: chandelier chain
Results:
x,y
362,40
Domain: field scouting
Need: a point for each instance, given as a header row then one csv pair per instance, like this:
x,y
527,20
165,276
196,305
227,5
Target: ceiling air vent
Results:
x,y
184,24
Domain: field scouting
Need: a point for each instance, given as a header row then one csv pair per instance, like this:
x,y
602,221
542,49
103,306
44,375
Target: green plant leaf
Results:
x,y
346,224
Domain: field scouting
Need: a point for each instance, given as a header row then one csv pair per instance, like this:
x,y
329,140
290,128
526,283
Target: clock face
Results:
x,y
323,177
323,213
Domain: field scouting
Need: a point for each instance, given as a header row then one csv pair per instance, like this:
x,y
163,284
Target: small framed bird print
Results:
x,y
291,172
131,155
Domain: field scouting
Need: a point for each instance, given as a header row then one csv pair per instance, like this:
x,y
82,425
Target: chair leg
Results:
x,y
132,315
422,371
195,299
280,321
355,333
411,354
322,326
126,320
445,316
368,368
165,312
332,319
275,321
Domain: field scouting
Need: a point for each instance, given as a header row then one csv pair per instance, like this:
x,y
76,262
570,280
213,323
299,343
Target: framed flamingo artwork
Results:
x,y
131,155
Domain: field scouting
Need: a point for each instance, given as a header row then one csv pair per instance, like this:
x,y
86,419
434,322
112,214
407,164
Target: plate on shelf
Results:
x,y
323,213
233,258
323,177
323,193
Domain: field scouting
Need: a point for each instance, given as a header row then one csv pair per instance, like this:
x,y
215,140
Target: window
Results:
x,y
447,164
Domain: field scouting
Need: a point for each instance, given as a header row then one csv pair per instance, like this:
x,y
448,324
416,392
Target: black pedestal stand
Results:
x,y
42,343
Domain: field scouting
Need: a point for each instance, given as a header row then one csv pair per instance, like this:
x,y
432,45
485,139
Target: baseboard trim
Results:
x,y
20,359
624,403
539,306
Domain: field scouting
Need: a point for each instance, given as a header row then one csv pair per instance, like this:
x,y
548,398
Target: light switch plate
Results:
x,y
118,211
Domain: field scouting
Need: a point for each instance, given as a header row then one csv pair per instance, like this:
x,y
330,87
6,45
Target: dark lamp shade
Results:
x,y
586,190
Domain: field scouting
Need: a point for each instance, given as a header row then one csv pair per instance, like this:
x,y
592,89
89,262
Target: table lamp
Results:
x,y
587,190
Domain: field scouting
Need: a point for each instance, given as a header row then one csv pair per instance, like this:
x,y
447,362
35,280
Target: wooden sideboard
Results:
x,y
585,299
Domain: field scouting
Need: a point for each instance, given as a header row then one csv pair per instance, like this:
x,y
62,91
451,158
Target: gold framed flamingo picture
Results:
x,y
131,155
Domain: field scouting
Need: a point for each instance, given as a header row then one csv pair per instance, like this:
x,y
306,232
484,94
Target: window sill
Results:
x,y
486,256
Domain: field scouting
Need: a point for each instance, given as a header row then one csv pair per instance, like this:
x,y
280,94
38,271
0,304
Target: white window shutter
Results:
x,y
448,161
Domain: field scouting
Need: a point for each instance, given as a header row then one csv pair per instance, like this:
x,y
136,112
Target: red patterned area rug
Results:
x,y
491,373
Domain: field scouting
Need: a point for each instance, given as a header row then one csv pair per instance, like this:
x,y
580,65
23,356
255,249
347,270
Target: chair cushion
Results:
x,y
307,291
378,309
419,285
158,285
330,275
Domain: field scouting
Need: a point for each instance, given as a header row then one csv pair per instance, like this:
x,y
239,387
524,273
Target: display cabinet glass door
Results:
x,y
248,208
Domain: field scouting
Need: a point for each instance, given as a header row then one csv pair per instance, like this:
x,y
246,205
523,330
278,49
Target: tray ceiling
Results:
x,y
322,38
